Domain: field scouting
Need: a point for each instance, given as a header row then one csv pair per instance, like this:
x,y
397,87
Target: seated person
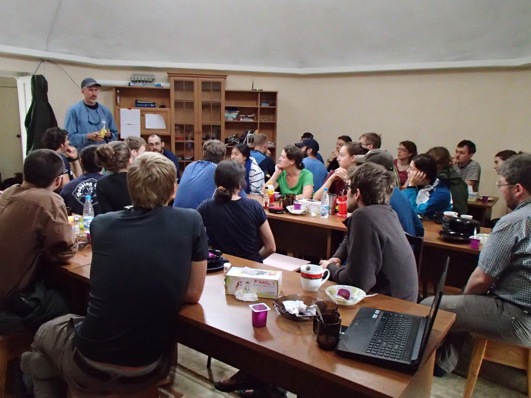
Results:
x,y
137,145
75,191
336,181
260,153
496,302
406,151
371,141
197,182
501,157
408,219
332,162
310,149
254,176
306,136
379,258
112,189
155,144
56,139
447,174
236,225
34,236
125,342
427,194
290,176
467,168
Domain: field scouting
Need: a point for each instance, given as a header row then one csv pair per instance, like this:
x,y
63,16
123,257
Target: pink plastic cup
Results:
x,y
259,313
474,243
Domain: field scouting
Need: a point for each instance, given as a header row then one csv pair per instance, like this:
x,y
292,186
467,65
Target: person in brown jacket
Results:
x,y
34,233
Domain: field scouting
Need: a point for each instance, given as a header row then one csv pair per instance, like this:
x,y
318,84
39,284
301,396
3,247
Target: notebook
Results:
x,y
391,339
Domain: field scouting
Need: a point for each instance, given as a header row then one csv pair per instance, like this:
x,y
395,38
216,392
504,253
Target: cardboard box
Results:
x,y
264,283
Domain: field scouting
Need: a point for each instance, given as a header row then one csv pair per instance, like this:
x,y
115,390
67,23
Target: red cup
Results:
x,y
485,199
342,206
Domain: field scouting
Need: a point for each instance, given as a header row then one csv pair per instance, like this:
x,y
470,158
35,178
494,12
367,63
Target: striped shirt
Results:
x,y
506,256
471,172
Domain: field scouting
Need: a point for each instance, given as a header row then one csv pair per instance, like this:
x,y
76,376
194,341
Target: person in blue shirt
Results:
x,y
307,135
310,149
85,120
260,154
197,182
426,193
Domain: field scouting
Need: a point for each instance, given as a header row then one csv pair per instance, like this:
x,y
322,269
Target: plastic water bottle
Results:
x,y
88,213
103,131
325,204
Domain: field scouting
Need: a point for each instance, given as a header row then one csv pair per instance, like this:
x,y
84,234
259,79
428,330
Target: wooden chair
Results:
x,y
11,347
417,243
498,352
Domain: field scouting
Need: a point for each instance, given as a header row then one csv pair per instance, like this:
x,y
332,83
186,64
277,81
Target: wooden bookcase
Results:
x,y
197,104
254,110
195,108
126,97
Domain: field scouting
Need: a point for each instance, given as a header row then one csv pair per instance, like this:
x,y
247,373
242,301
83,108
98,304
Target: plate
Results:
x,y
455,237
215,269
356,294
292,210
279,306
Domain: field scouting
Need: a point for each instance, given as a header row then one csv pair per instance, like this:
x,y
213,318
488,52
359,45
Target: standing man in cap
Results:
x,y
84,121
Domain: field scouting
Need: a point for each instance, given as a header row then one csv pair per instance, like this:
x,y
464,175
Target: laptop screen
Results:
x,y
435,304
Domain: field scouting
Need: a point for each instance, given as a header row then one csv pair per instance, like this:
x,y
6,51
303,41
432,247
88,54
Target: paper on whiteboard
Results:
x,y
155,121
129,122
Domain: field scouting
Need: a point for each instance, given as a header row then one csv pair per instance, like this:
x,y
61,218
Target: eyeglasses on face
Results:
x,y
402,149
499,184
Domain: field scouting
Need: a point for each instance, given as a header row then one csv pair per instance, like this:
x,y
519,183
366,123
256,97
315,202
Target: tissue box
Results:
x,y
264,283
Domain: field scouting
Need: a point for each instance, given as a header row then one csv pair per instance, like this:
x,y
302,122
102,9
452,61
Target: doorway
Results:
x,y
11,160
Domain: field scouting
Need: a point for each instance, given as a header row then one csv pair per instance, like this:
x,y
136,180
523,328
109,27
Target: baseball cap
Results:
x,y
89,82
309,143
378,156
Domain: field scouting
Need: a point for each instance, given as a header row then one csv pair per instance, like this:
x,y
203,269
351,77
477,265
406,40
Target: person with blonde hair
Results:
x,y
125,342
112,189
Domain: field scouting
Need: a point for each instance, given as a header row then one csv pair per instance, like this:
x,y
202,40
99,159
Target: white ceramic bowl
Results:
x,y
356,294
292,210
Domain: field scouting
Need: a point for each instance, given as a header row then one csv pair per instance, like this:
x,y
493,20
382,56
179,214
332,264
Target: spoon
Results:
x,y
319,313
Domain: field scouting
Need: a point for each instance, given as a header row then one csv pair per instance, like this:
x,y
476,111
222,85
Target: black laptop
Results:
x,y
390,339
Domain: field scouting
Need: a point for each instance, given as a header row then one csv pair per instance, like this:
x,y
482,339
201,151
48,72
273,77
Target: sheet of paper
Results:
x,y
129,122
283,262
155,121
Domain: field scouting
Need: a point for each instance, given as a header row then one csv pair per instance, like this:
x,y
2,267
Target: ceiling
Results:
x,y
277,36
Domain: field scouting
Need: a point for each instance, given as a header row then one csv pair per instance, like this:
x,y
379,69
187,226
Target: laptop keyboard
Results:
x,y
389,340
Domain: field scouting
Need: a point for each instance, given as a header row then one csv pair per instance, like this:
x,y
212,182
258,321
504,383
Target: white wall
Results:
x,y
490,107
10,148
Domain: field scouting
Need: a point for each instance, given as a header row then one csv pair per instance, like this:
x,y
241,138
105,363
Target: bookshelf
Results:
x,y
126,97
251,110
197,103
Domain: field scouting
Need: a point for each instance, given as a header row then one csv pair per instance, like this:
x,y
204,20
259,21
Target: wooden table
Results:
x,y
318,238
482,211
285,352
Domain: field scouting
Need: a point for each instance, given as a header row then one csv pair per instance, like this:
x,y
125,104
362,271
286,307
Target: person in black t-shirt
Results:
x,y
147,261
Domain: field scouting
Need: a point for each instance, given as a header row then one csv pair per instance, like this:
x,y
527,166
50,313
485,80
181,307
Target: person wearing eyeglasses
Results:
x,y
496,301
85,120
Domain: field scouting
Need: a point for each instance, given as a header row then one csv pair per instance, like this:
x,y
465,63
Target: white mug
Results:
x,y
313,276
